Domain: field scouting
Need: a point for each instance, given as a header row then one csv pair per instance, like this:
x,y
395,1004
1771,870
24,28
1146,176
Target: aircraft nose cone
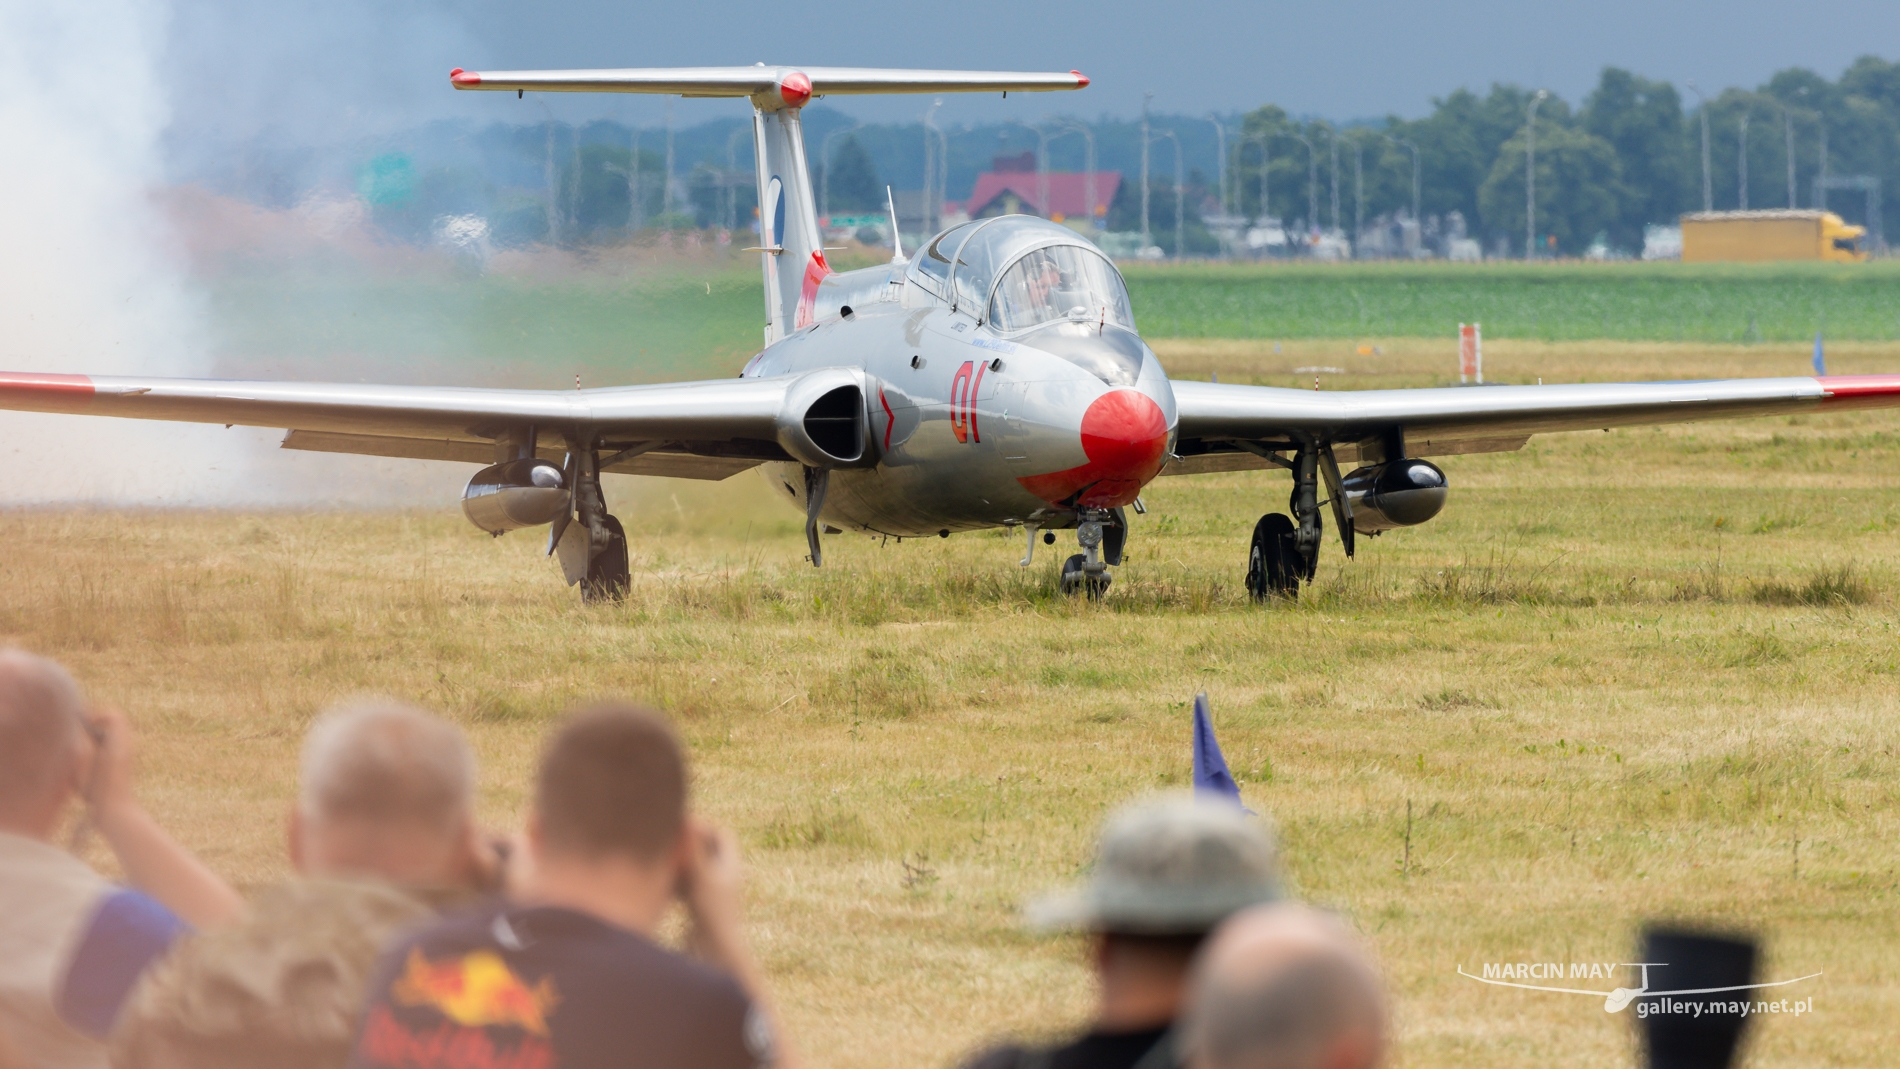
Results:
x,y
1125,437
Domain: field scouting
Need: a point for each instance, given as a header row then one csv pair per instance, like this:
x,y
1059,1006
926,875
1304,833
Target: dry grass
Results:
x,y
1625,676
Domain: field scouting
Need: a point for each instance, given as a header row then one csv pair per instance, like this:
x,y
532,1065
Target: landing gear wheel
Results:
x,y
608,574
1273,562
1077,580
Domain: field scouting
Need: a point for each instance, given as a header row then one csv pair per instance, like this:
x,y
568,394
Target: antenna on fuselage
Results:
x,y
897,240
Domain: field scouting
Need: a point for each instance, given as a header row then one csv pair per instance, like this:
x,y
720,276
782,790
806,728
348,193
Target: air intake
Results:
x,y
835,423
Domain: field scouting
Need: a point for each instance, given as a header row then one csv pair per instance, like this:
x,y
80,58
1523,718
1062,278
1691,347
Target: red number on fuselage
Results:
x,y
963,389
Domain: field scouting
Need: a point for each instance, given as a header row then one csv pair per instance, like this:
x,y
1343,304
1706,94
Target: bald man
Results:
x,y
72,943
1285,987
383,836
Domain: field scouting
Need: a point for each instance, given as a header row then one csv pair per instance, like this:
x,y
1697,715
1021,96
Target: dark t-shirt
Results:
x,y
1093,1050
550,988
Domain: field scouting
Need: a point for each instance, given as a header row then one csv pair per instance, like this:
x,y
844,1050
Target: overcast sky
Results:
x,y
237,65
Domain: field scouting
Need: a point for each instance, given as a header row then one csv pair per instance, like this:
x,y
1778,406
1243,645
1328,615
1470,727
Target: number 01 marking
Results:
x,y
963,390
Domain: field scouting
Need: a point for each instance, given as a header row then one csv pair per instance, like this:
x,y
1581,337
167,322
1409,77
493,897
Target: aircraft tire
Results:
x,y
608,574
1072,574
1273,564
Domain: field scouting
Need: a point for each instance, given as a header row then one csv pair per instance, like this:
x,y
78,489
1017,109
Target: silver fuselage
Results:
x,y
960,413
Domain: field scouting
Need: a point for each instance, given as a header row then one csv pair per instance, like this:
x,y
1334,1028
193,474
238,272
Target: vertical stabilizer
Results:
x,y
793,247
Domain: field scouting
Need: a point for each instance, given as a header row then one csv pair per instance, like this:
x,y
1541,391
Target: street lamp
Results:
x,y
732,168
1414,150
1741,152
1220,153
1179,194
1042,166
1358,198
1262,141
1702,106
930,206
1530,174
1145,98
824,176
1088,175
1312,183
1333,137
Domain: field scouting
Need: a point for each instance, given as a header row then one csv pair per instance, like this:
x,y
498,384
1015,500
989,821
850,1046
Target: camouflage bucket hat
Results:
x,y
1174,865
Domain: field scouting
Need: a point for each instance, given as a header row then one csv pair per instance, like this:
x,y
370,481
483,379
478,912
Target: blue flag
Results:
x,y
1820,363
1210,768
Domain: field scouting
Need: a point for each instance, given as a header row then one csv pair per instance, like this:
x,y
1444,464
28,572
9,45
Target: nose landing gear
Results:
x,y
1102,533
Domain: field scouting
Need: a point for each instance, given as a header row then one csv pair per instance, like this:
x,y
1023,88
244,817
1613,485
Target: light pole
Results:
x,y
732,168
824,176
1530,175
1220,153
1179,196
1333,137
1088,175
1702,108
1312,183
1358,198
636,212
1262,141
666,191
1741,163
1414,150
1145,98
1042,166
930,205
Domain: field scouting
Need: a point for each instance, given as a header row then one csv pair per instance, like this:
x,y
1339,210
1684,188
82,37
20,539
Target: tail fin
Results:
x,y
793,259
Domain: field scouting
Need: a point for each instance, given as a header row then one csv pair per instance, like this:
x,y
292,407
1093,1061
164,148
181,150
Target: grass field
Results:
x,y
1625,676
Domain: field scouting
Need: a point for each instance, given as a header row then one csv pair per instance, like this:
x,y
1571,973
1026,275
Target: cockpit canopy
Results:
x,y
1048,274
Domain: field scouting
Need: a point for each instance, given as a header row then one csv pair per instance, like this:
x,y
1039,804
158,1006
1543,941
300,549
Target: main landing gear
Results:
x,y
1285,549
593,553
1102,534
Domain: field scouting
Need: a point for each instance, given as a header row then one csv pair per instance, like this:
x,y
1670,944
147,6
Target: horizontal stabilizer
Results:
x,y
769,87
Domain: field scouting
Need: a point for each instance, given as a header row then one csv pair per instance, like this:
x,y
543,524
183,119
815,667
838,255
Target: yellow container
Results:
x,y
1781,234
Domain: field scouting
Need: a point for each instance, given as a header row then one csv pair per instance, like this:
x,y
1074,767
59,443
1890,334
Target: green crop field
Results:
x,y
1553,302
702,318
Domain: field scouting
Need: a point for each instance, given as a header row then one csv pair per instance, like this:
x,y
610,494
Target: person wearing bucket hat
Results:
x,y
1168,870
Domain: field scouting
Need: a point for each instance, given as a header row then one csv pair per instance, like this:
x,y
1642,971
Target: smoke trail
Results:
x,y
92,281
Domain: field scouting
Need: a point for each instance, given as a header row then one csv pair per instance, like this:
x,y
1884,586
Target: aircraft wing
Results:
x,y
708,429
1225,427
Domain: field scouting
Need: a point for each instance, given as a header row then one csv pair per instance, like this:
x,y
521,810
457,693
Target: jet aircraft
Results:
x,y
993,378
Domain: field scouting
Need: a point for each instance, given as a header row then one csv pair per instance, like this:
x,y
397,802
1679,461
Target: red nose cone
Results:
x,y
1125,436
795,89
1081,80
458,76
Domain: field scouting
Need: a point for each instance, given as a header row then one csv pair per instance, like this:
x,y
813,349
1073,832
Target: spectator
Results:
x,y
1284,987
382,836
572,975
1168,871
72,944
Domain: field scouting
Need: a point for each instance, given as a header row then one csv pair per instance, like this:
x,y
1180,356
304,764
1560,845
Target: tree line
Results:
x,y
1629,155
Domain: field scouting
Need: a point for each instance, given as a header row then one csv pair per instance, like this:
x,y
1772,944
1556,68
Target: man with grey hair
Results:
x,y
1168,871
1285,987
383,836
73,944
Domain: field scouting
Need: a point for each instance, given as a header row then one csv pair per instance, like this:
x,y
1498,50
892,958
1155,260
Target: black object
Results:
x,y
1675,1036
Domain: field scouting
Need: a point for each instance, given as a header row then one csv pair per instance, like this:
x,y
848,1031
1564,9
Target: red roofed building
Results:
x,y
1013,186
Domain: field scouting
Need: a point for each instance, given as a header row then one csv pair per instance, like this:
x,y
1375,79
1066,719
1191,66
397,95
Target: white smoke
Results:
x,y
92,281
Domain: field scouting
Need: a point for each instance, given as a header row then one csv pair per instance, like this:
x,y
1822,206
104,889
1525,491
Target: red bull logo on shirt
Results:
x,y
476,990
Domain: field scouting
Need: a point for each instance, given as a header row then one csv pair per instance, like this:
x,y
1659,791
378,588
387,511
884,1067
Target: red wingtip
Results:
x,y
1081,80
458,76
795,89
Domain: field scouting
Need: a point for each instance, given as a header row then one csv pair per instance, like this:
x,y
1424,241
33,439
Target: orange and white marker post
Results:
x,y
1470,353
